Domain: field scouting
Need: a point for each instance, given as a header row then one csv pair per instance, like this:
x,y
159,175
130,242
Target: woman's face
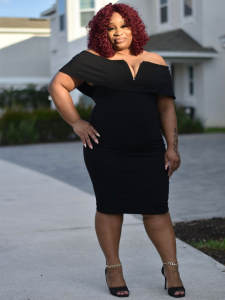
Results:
x,y
118,33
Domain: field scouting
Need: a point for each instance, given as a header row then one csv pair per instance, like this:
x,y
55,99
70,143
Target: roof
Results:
x,y
24,23
175,40
48,12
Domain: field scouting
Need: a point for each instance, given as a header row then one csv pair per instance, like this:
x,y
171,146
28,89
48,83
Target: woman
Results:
x,y
128,163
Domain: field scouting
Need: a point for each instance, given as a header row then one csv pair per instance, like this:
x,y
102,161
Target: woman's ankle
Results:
x,y
113,261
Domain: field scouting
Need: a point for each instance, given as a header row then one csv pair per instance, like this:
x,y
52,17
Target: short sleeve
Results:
x,y
165,84
76,68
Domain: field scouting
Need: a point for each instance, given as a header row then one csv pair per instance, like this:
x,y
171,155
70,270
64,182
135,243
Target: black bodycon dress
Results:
x,y
127,167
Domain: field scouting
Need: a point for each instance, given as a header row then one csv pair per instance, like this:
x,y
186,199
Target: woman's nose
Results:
x,y
118,31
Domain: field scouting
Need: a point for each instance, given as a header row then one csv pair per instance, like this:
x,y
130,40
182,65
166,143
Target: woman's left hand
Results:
x,y
173,157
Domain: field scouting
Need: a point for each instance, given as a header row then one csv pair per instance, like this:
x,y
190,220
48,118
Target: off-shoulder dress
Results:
x,y
127,167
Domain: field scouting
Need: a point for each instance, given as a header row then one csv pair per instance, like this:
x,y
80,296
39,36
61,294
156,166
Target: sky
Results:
x,y
24,8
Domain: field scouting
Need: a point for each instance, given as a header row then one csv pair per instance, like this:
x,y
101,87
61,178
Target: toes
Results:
x,y
123,292
178,293
120,293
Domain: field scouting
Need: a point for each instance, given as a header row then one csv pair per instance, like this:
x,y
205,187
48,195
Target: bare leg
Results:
x,y
108,229
160,230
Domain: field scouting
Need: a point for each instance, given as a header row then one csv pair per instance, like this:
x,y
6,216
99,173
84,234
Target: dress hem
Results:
x,y
134,212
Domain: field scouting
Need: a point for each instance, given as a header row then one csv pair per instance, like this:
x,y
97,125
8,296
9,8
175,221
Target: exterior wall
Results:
x,y
193,25
214,70
25,62
200,106
24,57
214,92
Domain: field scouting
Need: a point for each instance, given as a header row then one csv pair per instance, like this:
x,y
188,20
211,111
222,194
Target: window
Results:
x,y
191,80
87,11
163,11
61,10
188,8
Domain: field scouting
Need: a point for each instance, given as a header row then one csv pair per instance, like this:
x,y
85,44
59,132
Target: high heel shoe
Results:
x,y
115,290
173,290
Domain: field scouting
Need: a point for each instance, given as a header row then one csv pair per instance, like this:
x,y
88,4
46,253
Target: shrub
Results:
x,y
28,98
23,133
186,124
19,126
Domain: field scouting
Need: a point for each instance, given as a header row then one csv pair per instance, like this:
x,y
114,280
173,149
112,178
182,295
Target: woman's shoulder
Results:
x,y
92,51
82,58
154,58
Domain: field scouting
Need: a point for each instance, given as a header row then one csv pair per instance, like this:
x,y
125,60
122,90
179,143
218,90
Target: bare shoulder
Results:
x,y
155,58
92,51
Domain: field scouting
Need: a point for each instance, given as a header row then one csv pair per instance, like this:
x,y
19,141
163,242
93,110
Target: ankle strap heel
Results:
x,y
115,290
173,290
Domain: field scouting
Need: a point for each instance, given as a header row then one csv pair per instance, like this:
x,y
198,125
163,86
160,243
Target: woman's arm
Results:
x,y
59,88
168,122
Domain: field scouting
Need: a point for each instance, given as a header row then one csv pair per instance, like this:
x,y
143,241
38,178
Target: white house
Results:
x,y
188,34
24,52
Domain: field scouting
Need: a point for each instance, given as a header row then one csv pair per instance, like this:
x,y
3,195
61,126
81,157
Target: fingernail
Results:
x,y
96,141
91,147
97,134
85,145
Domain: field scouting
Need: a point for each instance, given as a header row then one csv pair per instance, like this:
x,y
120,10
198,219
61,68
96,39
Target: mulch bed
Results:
x,y
205,229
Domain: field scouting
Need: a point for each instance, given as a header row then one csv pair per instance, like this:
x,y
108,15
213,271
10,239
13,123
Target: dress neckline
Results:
x,y
123,60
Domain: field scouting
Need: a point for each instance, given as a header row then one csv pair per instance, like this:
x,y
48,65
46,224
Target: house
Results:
x,y
24,52
188,34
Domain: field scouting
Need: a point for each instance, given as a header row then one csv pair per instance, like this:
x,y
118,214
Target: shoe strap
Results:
x,y
114,266
171,263
121,288
173,290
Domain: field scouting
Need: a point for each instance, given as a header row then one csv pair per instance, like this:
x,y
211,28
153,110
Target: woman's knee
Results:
x,y
159,216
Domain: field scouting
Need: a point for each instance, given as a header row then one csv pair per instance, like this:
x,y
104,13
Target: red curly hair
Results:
x,y
97,30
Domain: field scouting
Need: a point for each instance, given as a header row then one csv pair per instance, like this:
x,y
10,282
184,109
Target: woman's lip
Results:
x,y
120,40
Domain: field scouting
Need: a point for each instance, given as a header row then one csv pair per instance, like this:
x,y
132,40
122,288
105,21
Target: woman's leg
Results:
x,y
108,229
160,230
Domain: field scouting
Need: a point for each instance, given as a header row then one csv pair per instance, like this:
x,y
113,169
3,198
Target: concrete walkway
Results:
x,y
49,249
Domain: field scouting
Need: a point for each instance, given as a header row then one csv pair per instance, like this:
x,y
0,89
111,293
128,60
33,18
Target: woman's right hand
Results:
x,y
83,129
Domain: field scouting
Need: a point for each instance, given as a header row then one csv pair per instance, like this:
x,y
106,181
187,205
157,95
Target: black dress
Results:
x,y
127,167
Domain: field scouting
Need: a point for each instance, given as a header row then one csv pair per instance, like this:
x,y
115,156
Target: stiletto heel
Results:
x,y
172,290
115,290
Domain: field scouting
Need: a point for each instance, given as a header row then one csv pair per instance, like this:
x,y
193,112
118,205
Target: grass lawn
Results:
x,y
207,235
214,129
210,244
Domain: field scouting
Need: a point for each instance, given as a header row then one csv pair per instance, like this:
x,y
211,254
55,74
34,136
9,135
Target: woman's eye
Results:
x,y
109,29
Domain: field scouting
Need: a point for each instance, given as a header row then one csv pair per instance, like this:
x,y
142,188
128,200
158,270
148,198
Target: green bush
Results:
x,y
28,98
185,124
19,126
24,133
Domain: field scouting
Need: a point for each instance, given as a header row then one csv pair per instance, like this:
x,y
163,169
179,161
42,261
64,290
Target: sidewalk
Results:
x,y
49,249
